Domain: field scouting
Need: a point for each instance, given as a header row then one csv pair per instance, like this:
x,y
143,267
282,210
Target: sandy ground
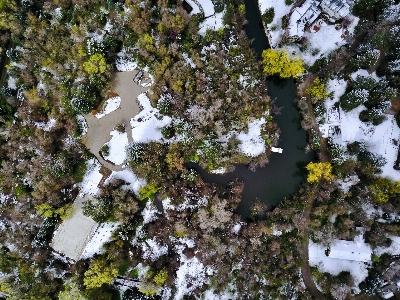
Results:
x,y
99,129
74,233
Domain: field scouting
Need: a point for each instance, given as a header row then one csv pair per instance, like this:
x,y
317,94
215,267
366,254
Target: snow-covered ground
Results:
x,y
109,106
275,31
101,236
319,42
379,139
393,249
91,178
252,143
116,147
147,124
334,266
213,22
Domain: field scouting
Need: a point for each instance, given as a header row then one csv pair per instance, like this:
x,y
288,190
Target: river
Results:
x,y
285,171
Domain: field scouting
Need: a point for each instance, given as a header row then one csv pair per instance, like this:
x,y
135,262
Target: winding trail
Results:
x,y
99,129
305,268
334,66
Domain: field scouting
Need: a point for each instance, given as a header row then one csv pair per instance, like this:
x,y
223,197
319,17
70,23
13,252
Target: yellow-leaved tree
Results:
x,y
100,272
96,64
279,62
318,171
7,14
317,90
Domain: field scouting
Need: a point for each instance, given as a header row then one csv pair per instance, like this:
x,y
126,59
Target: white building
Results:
x,y
356,250
387,294
311,10
336,9
303,15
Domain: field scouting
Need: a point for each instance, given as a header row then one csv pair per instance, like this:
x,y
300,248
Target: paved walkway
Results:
x,y
99,129
73,234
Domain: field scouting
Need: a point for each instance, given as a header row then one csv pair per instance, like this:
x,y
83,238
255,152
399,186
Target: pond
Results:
x,y
285,171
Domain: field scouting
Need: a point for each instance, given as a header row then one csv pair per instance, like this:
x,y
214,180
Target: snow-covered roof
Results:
x,y
350,250
336,8
356,250
387,294
305,14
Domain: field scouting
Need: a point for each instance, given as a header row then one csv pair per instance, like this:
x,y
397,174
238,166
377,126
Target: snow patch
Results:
x,y
101,236
152,250
334,266
116,147
109,106
46,126
92,178
146,126
252,143
150,212
133,182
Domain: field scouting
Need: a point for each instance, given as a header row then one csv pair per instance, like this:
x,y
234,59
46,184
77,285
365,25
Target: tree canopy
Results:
x,y
318,171
279,62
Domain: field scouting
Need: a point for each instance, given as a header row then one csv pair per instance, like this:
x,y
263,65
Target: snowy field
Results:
x,y
379,139
334,266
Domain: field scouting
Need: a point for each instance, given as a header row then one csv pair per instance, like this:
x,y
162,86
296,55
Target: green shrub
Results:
x,y
268,16
218,6
101,211
79,170
105,150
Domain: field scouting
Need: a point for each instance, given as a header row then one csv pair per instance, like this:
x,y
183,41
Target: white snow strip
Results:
x,y
101,236
208,7
91,179
109,106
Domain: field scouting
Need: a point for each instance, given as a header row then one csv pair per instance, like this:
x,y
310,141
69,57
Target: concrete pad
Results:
x,y
73,234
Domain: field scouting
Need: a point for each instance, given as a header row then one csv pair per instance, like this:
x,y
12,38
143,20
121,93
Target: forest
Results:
x,y
58,59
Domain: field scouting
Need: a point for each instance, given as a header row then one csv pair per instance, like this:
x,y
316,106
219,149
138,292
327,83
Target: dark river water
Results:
x,y
285,171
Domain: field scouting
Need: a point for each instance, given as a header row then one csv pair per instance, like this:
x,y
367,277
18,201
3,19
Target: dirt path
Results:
x,y
305,269
99,129
335,65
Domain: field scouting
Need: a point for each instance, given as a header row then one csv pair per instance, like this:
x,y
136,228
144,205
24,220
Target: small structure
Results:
x,y
306,14
337,9
387,294
278,150
302,16
356,250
